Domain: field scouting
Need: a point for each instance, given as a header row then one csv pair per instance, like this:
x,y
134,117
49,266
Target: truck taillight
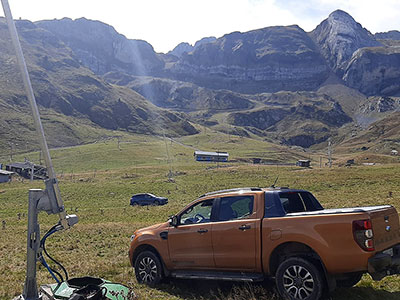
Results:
x,y
363,234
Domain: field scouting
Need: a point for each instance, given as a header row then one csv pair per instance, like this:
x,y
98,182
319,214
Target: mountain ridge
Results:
x,y
318,80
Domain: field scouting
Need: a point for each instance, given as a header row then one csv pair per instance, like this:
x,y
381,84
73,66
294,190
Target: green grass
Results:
x,y
97,181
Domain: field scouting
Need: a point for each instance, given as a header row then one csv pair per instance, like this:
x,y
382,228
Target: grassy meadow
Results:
x,y
97,181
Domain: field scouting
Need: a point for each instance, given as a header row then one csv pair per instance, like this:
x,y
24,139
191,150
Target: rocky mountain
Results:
x,y
182,48
99,47
268,59
77,103
263,60
374,71
339,36
294,118
278,82
180,95
390,35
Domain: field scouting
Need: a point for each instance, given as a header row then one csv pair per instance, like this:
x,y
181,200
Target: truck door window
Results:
x,y
198,213
235,207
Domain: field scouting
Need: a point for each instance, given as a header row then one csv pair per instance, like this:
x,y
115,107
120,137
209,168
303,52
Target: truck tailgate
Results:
x,y
385,225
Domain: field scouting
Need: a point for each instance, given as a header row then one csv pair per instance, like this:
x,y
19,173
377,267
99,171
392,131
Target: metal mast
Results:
x,y
34,108
48,200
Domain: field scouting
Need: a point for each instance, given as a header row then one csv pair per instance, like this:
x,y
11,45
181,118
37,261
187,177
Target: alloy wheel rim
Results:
x,y
147,269
298,282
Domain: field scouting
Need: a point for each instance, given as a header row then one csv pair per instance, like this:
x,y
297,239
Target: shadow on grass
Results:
x,y
217,290
365,293
221,290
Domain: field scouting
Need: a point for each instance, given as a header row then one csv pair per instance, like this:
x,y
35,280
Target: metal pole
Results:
x,y
35,111
33,240
330,152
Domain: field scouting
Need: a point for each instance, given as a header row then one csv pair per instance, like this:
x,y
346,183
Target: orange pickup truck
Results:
x,y
247,234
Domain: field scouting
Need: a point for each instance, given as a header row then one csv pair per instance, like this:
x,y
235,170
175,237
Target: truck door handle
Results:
x,y
202,230
244,227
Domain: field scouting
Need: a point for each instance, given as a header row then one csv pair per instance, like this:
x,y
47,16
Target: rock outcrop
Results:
x,y
99,47
374,71
390,35
268,59
182,48
339,36
181,95
67,88
299,118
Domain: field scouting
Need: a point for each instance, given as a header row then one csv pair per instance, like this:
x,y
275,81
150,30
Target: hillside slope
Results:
x,y
68,93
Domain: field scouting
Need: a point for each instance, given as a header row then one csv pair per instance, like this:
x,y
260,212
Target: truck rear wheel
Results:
x,y
148,269
299,279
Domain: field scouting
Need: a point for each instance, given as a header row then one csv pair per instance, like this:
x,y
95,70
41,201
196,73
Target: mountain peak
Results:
x,y
340,14
339,36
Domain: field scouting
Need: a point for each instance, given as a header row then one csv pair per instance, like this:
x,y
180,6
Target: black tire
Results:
x,y
349,281
299,279
148,268
157,202
134,203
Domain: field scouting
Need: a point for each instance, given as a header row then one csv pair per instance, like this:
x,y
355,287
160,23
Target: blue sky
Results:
x,y
166,23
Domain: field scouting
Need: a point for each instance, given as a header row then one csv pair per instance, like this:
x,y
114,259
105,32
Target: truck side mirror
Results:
x,y
174,221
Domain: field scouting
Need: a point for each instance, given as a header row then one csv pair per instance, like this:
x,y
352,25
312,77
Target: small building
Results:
x,y
211,156
305,163
25,169
5,176
394,152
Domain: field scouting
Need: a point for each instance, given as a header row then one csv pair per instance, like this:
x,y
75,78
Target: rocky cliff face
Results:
x,y
229,76
269,59
339,36
374,71
264,60
390,35
102,49
63,86
181,95
299,118
182,48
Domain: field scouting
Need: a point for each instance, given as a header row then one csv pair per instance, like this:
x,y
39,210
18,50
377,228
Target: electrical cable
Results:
x,y
51,271
52,230
56,262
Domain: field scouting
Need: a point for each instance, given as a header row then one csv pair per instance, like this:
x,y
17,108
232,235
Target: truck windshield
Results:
x,y
293,202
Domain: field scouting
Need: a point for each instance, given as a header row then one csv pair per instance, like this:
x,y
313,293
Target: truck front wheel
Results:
x,y
148,269
299,279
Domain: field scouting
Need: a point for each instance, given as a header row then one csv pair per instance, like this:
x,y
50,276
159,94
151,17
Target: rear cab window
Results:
x,y
298,201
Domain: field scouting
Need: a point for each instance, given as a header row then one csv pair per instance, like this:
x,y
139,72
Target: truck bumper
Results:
x,y
385,263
